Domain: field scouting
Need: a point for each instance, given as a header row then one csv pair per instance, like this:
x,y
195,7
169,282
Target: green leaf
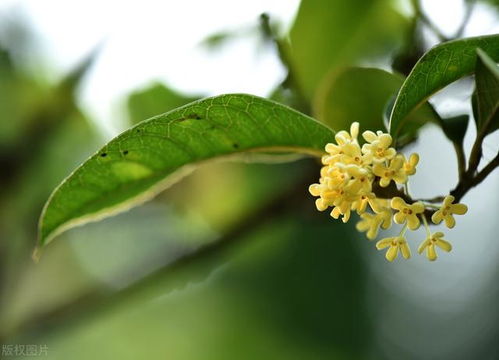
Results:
x,y
455,128
362,94
154,100
331,33
486,102
442,65
149,157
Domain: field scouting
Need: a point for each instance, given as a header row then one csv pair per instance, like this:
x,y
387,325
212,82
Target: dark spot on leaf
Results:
x,y
235,146
103,154
125,152
138,130
194,116
190,117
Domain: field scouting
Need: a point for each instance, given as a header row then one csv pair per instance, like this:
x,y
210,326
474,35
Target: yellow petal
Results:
x,y
417,207
437,217
459,209
384,182
320,205
399,218
414,159
369,136
390,153
384,243
385,140
335,213
398,203
392,253
444,245
400,178
431,254
332,148
387,221
363,225
423,245
412,222
354,130
448,200
404,249
379,169
314,189
449,221
373,232
346,216
397,162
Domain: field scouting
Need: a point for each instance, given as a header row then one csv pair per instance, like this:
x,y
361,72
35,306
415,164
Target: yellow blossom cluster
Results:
x,y
349,176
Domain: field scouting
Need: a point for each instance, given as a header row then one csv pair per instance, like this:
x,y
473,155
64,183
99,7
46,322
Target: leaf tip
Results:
x,y
37,254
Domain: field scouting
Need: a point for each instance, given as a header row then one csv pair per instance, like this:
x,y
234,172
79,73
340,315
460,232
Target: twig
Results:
x,y
461,159
282,48
419,13
486,171
470,5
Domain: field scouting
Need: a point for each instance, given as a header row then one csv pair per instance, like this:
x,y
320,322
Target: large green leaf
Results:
x,y
143,160
331,33
486,102
362,94
442,65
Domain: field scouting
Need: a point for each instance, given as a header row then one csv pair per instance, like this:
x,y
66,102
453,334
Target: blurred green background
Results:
x,y
234,262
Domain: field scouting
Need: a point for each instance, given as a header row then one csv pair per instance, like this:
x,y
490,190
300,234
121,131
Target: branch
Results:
x,y
419,13
461,159
486,171
470,5
468,182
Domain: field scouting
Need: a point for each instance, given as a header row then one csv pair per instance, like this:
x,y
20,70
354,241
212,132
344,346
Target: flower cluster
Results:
x,y
352,174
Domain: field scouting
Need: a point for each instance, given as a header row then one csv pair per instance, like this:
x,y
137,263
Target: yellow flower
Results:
x,y
343,137
372,222
407,212
430,243
395,244
394,171
378,148
348,153
447,210
360,204
343,209
410,165
359,179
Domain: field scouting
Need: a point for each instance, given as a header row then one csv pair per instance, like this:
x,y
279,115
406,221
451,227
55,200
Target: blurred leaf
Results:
x,y
154,100
330,33
138,163
455,128
486,102
217,40
362,94
442,65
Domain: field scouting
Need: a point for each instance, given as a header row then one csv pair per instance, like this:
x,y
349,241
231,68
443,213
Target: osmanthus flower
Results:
x,y
394,245
372,222
430,244
360,204
407,212
346,185
411,163
378,148
394,171
342,137
447,210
